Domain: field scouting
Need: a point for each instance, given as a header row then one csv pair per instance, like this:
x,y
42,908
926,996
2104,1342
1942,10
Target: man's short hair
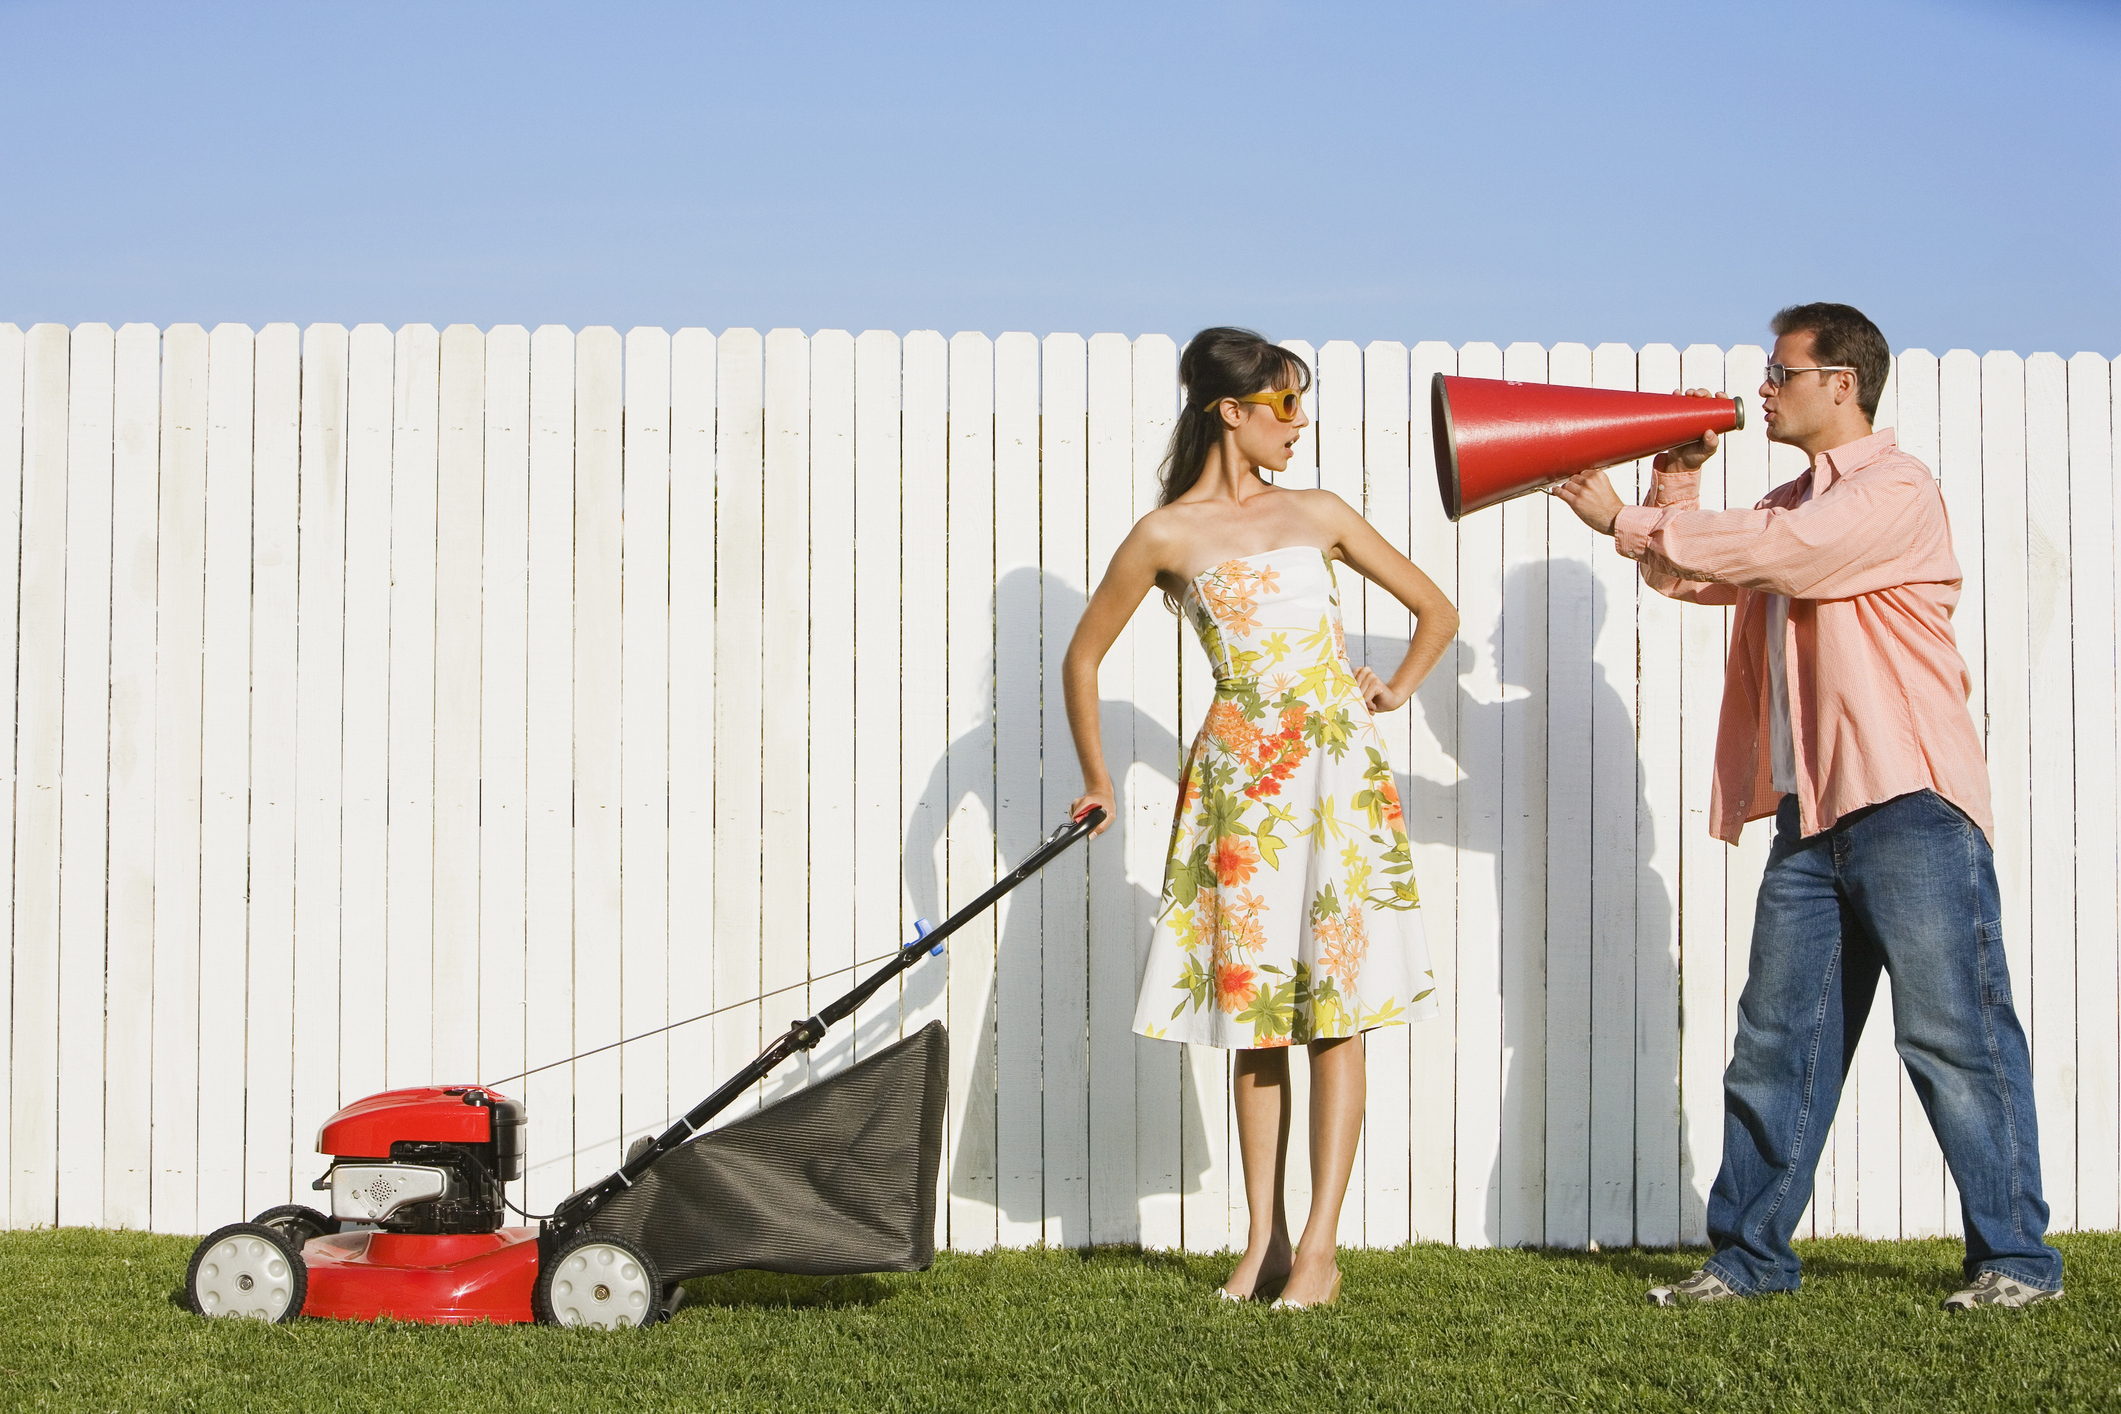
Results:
x,y
1842,335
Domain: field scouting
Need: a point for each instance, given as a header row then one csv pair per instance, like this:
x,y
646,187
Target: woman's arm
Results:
x,y
1128,579
1435,618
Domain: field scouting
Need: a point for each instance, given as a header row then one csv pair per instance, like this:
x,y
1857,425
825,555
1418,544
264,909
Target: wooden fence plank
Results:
x,y
2048,992
503,646
2088,1078
1431,805
1019,811
549,1172
371,354
784,869
967,799
33,1074
1635,875
832,721
739,471
692,748
1590,931
1490,1052
646,1104
320,658
128,1107
599,591
1118,911
272,1135
879,886
1181,1173
460,467
224,771
1386,629
1065,953
408,1057
12,426
84,773
924,690
1525,722
1693,658
2092,766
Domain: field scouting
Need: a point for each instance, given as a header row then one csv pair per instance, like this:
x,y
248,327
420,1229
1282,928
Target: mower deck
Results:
x,y
450,1280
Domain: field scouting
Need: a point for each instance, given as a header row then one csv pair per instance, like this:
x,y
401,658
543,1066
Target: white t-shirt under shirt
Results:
x,y
1782,743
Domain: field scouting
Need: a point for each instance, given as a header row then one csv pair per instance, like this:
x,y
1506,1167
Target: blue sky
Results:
x,y
1515,169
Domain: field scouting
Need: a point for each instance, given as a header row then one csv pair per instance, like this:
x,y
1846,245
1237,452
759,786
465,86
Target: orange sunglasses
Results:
x,y
1286,403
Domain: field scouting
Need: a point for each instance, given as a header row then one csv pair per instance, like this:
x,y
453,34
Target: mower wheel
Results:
x,y
297,1223
598,1280
246,1269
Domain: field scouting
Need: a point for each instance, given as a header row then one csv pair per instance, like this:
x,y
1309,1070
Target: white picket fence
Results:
x,y
396,707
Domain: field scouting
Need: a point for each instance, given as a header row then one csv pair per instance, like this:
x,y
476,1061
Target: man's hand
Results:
x,y
1691,456
1591,495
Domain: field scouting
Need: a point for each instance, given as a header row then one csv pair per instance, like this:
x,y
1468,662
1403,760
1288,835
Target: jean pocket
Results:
x,y
1995,968
1943,810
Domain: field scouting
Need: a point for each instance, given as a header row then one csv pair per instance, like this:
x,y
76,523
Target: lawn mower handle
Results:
x,y
802,1035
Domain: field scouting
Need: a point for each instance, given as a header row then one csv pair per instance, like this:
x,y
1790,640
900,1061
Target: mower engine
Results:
x,y
425,1160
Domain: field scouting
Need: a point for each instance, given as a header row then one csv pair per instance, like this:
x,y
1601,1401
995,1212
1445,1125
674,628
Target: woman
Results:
x,y
1289,901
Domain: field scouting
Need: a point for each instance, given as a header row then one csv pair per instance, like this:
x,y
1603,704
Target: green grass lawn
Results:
x,y
89,1320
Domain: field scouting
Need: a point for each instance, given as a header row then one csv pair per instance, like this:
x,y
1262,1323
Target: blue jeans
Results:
x,y
1910,886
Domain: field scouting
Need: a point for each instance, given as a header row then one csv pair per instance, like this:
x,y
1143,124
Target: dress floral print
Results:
x,y
1289,909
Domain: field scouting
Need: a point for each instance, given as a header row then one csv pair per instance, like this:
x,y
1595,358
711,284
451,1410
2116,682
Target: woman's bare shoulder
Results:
x,y
1162,531
1324,511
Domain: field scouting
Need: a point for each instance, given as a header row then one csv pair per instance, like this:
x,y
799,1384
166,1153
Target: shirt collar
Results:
x,y
1849,458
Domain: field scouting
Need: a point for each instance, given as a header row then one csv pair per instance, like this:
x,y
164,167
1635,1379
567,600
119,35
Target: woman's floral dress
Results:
x,y
1289,910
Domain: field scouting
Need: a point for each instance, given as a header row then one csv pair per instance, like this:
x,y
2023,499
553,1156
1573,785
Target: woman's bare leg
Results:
x,y
1338,1081
1261,1083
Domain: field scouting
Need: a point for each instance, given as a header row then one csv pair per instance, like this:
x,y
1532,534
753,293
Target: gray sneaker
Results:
x,y
1993,1288
1703,1285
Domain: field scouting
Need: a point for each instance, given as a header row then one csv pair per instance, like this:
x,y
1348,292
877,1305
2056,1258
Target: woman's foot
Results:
x,y
1310,1284
1259,1273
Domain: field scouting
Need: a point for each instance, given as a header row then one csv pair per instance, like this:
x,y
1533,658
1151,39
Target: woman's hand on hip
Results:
x,y
1376,692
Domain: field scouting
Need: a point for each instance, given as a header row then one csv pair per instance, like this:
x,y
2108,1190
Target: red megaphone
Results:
x,y
1496,439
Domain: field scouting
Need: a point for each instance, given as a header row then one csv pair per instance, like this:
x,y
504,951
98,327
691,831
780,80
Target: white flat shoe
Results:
x,y
1332,1295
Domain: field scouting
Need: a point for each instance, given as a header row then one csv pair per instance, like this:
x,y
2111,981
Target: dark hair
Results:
x,y
1841,334
1220,363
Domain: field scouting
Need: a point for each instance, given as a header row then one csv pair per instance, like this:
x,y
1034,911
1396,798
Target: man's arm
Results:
x,y
1676,488
1853,540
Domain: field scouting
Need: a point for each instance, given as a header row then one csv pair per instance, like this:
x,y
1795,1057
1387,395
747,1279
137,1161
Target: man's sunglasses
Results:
x,y
1286,403
1779,374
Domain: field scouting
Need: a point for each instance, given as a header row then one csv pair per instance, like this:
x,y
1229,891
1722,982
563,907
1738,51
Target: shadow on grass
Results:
x,y
780,1291
1664,1264
1636,1263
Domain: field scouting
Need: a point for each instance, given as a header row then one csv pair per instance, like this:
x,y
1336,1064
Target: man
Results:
x,y
1845,717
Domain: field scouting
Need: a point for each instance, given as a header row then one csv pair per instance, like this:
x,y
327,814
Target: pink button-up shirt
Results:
x,y
1876,685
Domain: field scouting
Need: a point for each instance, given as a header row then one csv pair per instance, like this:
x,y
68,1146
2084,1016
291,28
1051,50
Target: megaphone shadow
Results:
x,y
1537,1194
1027,602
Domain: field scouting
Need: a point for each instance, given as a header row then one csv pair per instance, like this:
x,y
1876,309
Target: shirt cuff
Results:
x,y
1632,527
1678,487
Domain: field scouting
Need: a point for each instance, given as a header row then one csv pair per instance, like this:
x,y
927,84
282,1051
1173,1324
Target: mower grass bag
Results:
x,y
836,1179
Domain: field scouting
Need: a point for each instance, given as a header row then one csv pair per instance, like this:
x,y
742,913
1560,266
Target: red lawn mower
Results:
x,y
837,1178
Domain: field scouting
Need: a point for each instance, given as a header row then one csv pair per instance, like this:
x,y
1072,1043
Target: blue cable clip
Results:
x,y
920,930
